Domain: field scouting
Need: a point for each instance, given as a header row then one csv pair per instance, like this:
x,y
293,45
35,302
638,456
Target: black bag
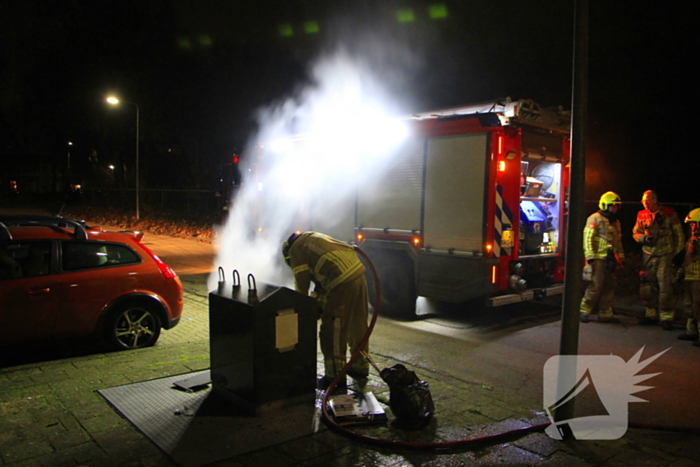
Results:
x,y
410,399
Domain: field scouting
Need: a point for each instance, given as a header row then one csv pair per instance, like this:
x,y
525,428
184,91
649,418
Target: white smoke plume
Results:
x,y
312,152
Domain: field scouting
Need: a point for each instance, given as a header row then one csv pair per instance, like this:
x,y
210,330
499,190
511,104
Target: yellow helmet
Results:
x,y
693,216
607,199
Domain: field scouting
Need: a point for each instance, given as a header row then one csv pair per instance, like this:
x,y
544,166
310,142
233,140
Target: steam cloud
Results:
x,y
303,168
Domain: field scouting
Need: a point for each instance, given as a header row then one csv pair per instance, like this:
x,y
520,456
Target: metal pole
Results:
x,y
576,222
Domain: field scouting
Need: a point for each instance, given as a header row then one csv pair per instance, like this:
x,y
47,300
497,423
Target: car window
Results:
x,y
24,259
88,255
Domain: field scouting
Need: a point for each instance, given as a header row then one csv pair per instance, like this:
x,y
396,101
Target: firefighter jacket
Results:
x,y
691,265
601,236
318,258
660,232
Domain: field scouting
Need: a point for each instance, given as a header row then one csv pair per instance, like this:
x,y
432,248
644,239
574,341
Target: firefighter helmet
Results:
x,y
287,245
609,198
693,216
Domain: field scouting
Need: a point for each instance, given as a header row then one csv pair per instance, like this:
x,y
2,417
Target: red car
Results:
x,y
60,279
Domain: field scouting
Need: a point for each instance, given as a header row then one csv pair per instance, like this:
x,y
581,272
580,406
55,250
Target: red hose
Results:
x,y
334,426
442,445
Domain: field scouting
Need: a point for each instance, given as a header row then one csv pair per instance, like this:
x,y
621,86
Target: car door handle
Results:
x,y
39,291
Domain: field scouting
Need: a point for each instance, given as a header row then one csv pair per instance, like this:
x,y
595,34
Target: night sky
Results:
x,y
199,70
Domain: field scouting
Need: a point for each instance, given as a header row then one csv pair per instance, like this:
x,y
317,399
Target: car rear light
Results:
x,y
166,270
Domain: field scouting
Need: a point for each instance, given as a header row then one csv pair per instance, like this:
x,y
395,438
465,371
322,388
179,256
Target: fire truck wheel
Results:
x,y
398,288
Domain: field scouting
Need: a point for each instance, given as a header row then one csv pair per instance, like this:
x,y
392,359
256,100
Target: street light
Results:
x,y
113,100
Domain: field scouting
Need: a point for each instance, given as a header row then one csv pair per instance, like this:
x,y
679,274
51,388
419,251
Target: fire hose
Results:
x,y
440,445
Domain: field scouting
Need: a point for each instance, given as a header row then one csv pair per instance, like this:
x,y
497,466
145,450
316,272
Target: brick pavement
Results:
x,y
50,415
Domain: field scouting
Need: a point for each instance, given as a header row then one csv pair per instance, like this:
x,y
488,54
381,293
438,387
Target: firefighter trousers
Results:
x,y
656,286
343,325
600,292
692,306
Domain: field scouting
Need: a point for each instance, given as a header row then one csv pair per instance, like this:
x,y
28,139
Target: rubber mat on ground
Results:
x,y
196,428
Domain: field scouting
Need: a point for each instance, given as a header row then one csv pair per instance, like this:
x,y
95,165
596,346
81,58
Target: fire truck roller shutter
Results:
x,y
455,192
397,281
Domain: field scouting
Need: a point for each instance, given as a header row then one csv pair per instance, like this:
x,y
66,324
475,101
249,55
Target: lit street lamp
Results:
x,y
113,100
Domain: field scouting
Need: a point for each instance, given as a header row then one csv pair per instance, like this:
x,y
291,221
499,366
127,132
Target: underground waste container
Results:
x,y
262,346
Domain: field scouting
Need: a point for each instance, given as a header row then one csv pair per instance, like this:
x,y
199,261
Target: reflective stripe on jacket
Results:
x,y
324,260
691,265
600,235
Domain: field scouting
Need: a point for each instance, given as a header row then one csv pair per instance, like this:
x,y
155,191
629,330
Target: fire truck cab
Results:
x,y
474,205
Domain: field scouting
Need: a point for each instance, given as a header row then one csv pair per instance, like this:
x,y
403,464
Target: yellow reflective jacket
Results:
x,y
691,265
324,260
601,235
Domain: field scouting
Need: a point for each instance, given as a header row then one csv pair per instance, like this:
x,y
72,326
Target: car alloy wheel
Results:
x,y
133,327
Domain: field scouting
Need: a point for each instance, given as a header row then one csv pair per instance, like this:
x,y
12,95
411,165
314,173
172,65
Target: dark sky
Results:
x,y
199,69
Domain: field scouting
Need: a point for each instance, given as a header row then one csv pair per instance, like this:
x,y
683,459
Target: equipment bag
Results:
x,y
410,400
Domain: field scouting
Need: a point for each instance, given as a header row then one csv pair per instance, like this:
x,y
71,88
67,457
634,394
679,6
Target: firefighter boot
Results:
x,y
360,379
585,310
651,316
606,316
691,331
666,317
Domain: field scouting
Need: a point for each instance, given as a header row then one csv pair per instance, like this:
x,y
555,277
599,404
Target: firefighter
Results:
x,y
341,290
602,248
659,232
690,272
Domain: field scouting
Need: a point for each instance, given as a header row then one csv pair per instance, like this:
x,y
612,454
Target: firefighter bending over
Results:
x,y
691,274
602,248
341,290
659,232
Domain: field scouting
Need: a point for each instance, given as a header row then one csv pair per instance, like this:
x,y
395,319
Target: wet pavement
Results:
x,y
485,377
51,415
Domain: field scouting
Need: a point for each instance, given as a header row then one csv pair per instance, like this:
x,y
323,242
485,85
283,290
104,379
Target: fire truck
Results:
x,y
473,206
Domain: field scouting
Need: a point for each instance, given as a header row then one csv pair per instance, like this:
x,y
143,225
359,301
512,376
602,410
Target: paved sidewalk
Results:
x,y
51,415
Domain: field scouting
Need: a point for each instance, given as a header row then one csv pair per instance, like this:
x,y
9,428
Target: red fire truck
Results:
x,y
473,206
